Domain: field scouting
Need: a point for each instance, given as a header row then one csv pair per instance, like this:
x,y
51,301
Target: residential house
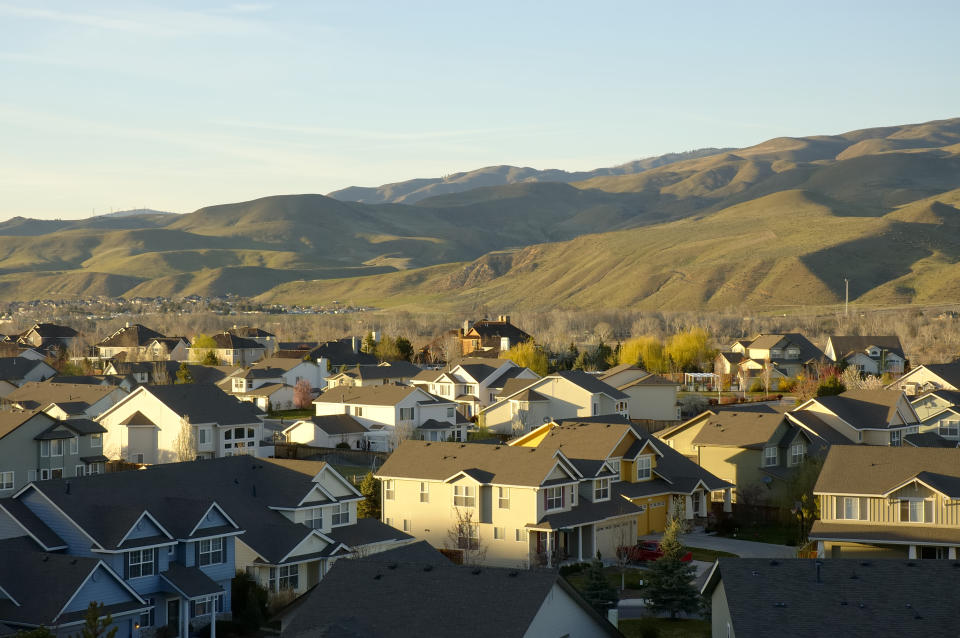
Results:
x,y
134,342
126,382
285,371
939,412
400,372
335,354
651,397
395,412
328,431
49,338
490,337
165,372
871,417
799,598
266,339
230,350
271,383
758,452
15,371
147,426
783,355
523,406
868,354
77,398
565,490
413,591
474,383
931,376
888,503
43,588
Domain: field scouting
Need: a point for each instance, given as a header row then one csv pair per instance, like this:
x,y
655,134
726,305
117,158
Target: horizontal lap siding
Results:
x,y
887,510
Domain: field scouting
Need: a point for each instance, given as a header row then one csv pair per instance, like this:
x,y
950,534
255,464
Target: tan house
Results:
x,y
939,412
932,376
400,372
888,503
491,337
565,490
871,417
136,342
525,404
231,350
784,355
651,397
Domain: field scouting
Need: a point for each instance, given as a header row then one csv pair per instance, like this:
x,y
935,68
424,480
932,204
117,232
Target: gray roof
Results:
x,y
928,439
46,537
948,372
818,426
410,592
510,372
844,346
42,394
890,534
396,370
738,429
433,424
808,351
512,386
870,469
227,341
590,383
10,420
14,368
250,332
191,581
587,512
864,408
130,336
205,403
367,531
853,598
338,424
479,369
371,395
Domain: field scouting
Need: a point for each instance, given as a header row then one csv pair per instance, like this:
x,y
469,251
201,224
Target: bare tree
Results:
x,y
302,394
767,372
185,445
402,431
161,376
464,535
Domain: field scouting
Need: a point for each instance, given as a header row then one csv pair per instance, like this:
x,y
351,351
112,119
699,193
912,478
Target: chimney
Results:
x,y
126,325
467,324
355,344
503,318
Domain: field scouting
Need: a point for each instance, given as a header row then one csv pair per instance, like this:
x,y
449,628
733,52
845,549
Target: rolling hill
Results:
x,y
773,225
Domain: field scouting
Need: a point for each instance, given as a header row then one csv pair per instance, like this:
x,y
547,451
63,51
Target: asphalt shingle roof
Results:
x,y
871,469
864,408
14,368
205,403
130,336
847,345
739,429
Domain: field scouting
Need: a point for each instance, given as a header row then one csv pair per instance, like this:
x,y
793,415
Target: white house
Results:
x,y
145,426
868,354
932,376
473,383
328,431
651,396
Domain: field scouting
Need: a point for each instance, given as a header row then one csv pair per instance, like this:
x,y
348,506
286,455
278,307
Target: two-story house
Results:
x,y
565,490
396,372
870,417
48,338
130,343
474,383
939,412
394,412
266,339
147,426
888,503
783,355
568,394
329,430
491,337
651,396
875,355
931,376
84,399
15,371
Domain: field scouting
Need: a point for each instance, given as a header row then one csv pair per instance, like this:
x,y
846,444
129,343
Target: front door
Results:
x,y
173,617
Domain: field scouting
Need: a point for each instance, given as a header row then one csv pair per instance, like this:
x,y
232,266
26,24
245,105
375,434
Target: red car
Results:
x,y
646,550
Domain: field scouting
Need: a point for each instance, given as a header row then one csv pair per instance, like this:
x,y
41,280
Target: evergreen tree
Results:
x,y
404,348
210,359
597,591
369,507
183,373
830,386
95,625
668,584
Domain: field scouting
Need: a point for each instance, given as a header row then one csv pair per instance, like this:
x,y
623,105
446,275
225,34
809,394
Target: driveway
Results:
x,y
743,549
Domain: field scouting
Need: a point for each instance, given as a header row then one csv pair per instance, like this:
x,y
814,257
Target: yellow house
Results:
x,y
563,491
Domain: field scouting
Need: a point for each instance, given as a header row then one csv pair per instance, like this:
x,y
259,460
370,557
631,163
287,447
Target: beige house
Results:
x,y
136,342
870,417
651,397
524,406
564,491
400,372
932,376
231,350
889,503
474,383
783,355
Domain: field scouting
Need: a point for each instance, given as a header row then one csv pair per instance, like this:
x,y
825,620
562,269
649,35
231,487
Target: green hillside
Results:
x,y
777,224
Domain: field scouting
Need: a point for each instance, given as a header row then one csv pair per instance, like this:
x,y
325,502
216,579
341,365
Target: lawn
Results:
x,y
348,471
632,578
708,555
778,534
665,628
292,414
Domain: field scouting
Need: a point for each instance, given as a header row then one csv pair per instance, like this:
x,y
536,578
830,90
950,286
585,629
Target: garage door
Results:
x,y
615,533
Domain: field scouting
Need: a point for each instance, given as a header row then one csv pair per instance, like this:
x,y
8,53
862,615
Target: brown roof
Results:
x,y
871,469
738,429
137,418
487,463
512,386
227,341
650,379
921,534
130,336
284,363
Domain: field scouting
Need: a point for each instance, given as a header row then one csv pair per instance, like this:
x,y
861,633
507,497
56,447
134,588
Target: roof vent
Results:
x,y
861,605
911,564
513,574
45,558
377,577
774,563
865,563
392,566
779,604
756,573
909,605
476,571
428,568
73,562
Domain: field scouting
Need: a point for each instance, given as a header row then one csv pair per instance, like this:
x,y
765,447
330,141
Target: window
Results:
x,y
458,434
601,489
388,492
468,536
95,468
139,459
519,535
56,447
44,449
314,518
950,429
96,440
357,410
6,480
916,510
341,514
697,498
284,577
44,474
204,606
553,498
147,618
74,445
852,508
80,470
406,414
140,562
499,533
407,525
463,496
644,468
451,412
573,495
770,456
503,498
203,436
895,437
56,472
424,492
797,452
211,552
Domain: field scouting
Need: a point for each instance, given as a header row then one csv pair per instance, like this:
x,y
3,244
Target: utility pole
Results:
x,y
846,303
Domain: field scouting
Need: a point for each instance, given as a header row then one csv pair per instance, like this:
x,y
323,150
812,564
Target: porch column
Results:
x,y
821,549
549,557
593,541
952,553
688,507
728,500
580,544
703,503
213,617
185,618
913,552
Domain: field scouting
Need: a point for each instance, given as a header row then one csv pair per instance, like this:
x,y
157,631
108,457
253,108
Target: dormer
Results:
x,y
240,384
873,352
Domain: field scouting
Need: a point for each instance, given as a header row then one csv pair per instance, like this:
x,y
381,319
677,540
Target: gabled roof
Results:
x,y
202,403
808,351
928,439
950,396
487,329
844,346
373,395
10,420
36,529
590,383
732,357
865,408
503,464
14,368
738,429
40,394
227,341
875,470
334,424
477,368
394,370
279,364
852,597
135,335
52,331
513,386
949,373
250,332
812,422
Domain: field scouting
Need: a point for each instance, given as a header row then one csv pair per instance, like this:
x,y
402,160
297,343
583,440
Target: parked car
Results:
x,y
645,551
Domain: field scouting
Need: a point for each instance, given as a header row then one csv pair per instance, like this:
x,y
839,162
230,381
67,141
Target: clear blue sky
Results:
x,y
179,105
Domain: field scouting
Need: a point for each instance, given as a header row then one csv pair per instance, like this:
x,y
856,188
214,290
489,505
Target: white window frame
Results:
x,y
74,446
771,460
601,489
896,438
407,411
503,498
407,525
389,490
464,496
499,533
212,551
950,428
96,440
910,509
7,479
56,447
314,518
284,577
424,492
795,457
44,449
518,535
341,514
554,499
80,470
858,504
144,564
644,466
